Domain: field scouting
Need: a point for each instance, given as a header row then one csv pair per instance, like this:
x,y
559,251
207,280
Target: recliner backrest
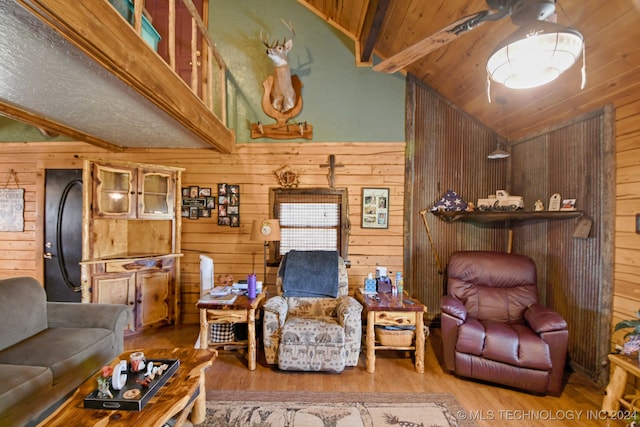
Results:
x,y
493,286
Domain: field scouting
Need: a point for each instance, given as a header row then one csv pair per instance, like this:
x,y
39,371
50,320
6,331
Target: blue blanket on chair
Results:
x,y
310,274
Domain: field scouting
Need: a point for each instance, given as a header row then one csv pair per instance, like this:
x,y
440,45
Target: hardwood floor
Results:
x,y
489,405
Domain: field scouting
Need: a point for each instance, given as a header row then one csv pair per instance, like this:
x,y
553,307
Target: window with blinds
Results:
x,y
311,219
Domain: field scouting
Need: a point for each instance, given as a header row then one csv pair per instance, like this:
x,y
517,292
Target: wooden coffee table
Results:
x,y
183,393
392,311
243,310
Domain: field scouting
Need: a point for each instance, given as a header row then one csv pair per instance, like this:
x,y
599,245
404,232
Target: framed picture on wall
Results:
x,y
375,208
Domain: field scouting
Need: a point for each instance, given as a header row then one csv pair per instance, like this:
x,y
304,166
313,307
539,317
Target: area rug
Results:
x,y
323,409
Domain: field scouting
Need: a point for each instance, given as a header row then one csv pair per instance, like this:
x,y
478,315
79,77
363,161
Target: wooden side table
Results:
x,y
613,396
392,311
243,310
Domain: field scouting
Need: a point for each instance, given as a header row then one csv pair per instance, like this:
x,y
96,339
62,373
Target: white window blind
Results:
x,y
309,226
311,219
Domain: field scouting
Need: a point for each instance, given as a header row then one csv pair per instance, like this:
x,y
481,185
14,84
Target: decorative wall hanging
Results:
x,y
287,177
229,205
375,208
12,205
282,98
197,202
331,176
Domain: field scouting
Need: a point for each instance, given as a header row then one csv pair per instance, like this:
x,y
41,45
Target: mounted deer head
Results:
x,y
283,96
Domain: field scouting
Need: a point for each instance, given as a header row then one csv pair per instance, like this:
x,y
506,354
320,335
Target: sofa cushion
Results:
x,y
303,330
23,314
22,383
63,350
312,344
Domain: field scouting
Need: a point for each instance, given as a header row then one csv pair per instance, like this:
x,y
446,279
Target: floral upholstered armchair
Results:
x,y
312,324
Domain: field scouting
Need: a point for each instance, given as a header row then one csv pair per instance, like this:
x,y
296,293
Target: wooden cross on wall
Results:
x,y
331,176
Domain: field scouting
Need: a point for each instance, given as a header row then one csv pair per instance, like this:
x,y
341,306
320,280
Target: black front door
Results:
x,y
63,234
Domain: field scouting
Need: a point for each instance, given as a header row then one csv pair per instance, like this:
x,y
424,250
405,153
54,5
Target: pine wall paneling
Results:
x,y
626,293
252,167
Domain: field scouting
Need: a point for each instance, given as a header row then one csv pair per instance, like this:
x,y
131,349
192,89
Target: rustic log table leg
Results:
x,y
251,338
419,342
371,343
204,329
614,390
199,411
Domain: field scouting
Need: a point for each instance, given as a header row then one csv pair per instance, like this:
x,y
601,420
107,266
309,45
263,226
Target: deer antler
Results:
x,y
265,40
290,27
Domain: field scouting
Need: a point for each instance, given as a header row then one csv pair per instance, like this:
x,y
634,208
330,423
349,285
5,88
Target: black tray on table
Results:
x,y
92,401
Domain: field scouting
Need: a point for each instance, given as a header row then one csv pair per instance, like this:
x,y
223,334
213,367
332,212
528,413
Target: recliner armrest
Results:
x,y
544,319
276,306
347,306
453,307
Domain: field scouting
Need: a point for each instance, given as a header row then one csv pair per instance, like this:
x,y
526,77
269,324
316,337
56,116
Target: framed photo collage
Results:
x,y
200,202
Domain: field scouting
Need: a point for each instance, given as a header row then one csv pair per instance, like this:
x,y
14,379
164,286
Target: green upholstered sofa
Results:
x,y
47,349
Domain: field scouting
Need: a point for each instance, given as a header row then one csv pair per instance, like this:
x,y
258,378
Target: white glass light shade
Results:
x,y
535,55
498,154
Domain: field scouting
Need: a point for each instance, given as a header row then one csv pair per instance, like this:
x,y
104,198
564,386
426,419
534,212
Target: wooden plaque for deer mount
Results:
x,y
282,129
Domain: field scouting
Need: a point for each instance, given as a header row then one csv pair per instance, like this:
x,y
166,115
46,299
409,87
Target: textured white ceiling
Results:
x,y
44,74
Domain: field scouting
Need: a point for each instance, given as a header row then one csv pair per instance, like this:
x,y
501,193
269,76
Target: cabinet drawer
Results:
x,y
138,265
398,318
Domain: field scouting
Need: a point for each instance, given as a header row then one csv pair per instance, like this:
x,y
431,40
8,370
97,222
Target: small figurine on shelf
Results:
x,y
538,206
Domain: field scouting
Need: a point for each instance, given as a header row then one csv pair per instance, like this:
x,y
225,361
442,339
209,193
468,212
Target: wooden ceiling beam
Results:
x,y
373,20
24,116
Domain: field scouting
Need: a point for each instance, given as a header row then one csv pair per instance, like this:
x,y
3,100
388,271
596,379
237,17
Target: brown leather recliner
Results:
x,y
494,329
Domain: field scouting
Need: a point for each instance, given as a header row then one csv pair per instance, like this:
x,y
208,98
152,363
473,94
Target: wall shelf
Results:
x,y
489,217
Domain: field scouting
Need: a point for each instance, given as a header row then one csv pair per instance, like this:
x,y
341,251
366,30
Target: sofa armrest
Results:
x,y
114,317
544,319
347,308
454,307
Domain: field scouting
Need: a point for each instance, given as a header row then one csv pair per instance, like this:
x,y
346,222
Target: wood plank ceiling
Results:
x,y
610,28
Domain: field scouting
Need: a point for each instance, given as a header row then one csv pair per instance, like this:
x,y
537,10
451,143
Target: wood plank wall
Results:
x,y
252,167
626,298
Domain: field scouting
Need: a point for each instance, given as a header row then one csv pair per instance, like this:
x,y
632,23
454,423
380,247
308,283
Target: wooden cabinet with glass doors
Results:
x,y
129,192
131,240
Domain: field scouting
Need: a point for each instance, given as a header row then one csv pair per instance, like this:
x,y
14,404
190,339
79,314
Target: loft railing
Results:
x,y
202,83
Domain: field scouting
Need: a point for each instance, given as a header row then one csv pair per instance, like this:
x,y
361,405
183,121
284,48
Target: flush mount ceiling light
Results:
x,y
536,54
